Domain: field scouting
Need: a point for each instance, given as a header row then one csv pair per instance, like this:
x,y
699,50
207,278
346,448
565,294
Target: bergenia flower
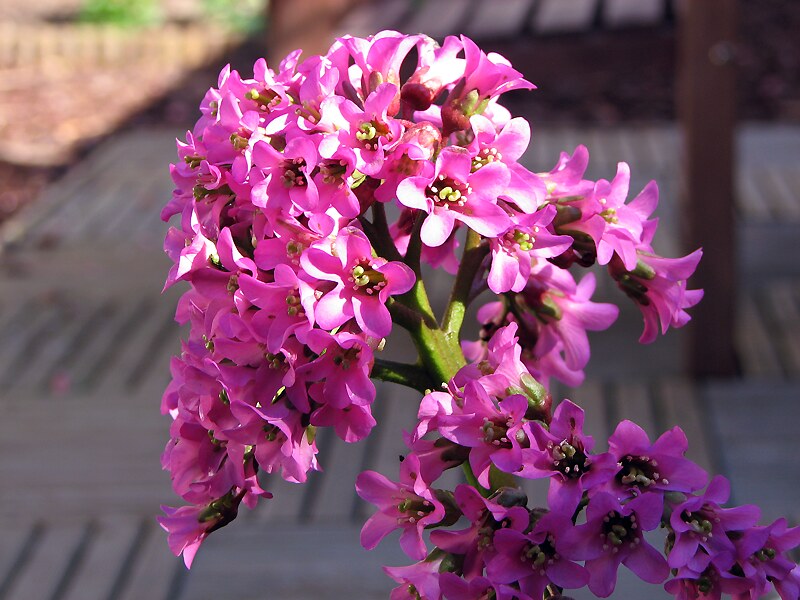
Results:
x,y
453,193
613,535
563,453
409,505
363,283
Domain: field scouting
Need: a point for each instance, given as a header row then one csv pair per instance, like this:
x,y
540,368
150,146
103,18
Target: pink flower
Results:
x,y
491,429
536,559
562,453
613,535
409,505
658,286
188,526
363,283
700,522
645,467
452,193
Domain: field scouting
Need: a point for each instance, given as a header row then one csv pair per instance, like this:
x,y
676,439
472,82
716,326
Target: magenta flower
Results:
x,y
701,523
536,559
343,366
409,505
486,517
613,535
478,588
643,466
188,526
658,287
762,557
514,250
419,581
453,193
363,283
525,190
371,130
491,429
563,455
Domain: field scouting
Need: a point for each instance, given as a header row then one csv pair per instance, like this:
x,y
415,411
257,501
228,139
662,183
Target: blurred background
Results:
x,y
703,97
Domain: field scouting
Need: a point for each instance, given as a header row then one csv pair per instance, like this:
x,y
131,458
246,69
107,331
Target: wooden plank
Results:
x,y
750,200
754,343
113,542
622,13
48,566
785,197
439,18
272,561
19,538
371,17
14,354
491,21
786,333
559,16
634,403
680,405
153,570
55,344
706,104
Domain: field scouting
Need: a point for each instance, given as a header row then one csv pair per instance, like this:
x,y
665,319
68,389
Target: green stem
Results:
x,y
381,240
472,480
474,253
411,376
414,250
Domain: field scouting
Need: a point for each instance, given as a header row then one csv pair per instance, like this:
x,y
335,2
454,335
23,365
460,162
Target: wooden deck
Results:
x,y
490,20
84,346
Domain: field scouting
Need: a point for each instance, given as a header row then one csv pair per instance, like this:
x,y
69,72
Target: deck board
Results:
x,y
489,22
563,15
625,13
438,18
56,549
112,544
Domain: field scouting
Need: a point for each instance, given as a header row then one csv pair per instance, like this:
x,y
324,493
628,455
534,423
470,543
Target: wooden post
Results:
x,y
306,24
706,107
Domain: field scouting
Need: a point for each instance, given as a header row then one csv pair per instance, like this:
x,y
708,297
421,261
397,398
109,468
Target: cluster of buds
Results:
x,y
307,201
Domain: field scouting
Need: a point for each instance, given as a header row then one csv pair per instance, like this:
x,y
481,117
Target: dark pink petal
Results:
x,y
647,563
377,527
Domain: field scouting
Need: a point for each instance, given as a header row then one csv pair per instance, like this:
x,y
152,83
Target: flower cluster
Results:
x,y
307,201
496,423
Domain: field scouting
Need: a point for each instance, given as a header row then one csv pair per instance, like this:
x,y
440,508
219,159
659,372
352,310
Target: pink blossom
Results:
x,y
409,505
451,192
363,283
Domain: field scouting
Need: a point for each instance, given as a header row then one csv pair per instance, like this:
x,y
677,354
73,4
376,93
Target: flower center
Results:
x,y
700,523
639,471
539,555
413,509
495,432
293,306
619,530
446,192
569,458
347,357
484,157
517,238
369,133
366,278
333,172
293,175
